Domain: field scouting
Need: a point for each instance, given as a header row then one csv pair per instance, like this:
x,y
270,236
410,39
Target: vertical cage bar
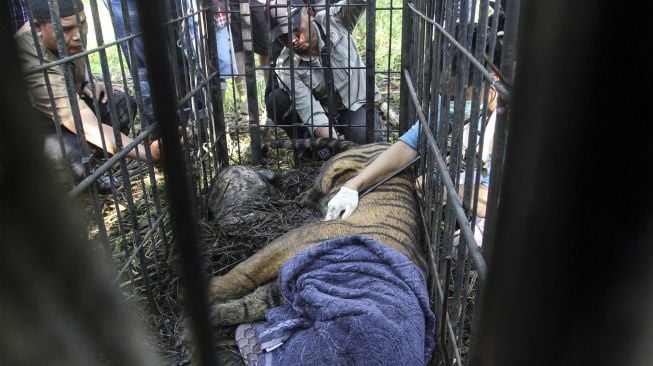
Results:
x,y
250,81
181,205
509,51
370,60
406,112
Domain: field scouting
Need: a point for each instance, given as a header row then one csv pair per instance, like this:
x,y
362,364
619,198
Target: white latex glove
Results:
x,y
345,200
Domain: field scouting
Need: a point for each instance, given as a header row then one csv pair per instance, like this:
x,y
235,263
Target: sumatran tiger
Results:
x,y
388,214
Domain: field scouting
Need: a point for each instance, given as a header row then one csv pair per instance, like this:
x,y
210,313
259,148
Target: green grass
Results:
x,y
108,35
388,35
113,62
230,100
387,46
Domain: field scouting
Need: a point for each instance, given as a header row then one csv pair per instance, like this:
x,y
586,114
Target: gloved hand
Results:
x,y
345,200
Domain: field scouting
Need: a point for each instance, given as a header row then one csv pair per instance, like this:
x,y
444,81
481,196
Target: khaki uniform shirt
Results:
x,y
346,62
35,81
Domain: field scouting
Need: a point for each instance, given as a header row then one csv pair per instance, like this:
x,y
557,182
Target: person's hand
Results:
x,y
345,200
100,91
155,150
388,113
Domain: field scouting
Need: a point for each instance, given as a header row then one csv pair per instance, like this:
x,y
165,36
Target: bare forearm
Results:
x,y
94,132
396,156
138,152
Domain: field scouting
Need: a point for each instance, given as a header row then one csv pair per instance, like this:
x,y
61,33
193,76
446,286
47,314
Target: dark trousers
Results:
x,y
352,124
74,152
258,23
137,60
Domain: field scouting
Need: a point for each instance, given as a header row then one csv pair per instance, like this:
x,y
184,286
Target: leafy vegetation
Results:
x,y
113,61
388,35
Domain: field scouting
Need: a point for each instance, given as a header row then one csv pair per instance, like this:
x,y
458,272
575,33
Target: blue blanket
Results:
x,y
351,301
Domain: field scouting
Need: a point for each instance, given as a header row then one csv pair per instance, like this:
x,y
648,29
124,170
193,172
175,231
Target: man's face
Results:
x,y
71,32
304,37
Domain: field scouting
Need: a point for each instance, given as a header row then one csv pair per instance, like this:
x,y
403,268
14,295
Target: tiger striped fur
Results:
x,y
312,143
388,214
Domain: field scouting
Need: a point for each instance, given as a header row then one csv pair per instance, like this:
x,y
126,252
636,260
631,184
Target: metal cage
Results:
x,y
439,58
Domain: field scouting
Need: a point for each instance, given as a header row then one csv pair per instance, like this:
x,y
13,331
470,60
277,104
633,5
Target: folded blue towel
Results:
x,y
351,301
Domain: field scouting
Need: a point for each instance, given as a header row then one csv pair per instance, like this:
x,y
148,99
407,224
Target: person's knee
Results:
x,y
355,125
278,106
276,103
357,129
276,95
356,134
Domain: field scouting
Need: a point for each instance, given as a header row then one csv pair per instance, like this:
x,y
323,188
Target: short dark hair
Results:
x,y
41,9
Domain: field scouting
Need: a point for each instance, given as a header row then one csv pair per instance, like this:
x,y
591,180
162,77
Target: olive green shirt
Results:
x,y
35,81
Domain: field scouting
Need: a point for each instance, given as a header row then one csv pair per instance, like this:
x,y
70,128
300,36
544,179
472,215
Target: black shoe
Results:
x,y
105,184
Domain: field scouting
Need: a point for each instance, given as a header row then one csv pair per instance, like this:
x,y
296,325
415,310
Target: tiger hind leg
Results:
x,y
249,308
233,285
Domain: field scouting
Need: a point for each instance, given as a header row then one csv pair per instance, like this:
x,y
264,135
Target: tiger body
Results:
x,y
388,214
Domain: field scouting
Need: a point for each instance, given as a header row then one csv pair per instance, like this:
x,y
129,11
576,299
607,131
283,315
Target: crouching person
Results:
x,y
309,76
51,99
